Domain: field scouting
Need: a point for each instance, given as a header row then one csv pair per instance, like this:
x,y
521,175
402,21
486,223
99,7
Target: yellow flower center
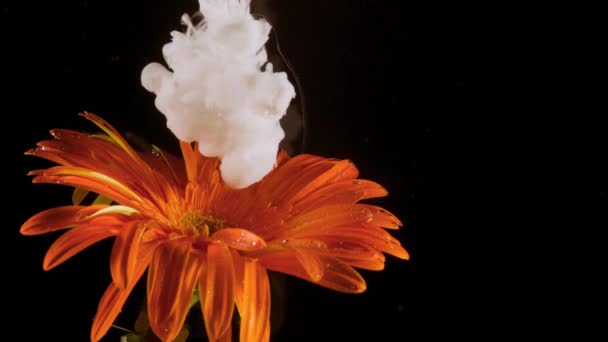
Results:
x,y
200,223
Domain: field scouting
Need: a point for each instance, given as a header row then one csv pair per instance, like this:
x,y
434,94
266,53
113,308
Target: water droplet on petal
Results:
x,y
254,243
283,241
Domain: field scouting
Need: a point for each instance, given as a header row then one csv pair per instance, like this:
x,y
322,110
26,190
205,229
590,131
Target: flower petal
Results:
x,y
254,306
358,255
75,240
88,180
383,218
173,273
198,167
313,265
369,234
341,277
58,218
323,218
344,192
113,134
124,253
337,275
166,164
217,290
114,298
239,239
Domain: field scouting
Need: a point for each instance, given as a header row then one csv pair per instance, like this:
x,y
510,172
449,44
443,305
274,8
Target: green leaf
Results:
x,y
195,298
102,200
78,195
132,337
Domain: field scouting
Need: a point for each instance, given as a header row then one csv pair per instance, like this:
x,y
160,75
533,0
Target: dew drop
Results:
x,y
254,243
284,241
155,153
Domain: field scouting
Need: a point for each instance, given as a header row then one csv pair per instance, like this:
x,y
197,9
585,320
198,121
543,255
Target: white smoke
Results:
x,y
222,93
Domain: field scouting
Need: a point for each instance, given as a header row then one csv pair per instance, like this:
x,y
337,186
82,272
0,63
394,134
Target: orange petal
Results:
x,y
227,337
282,157
114,298
344,192
383,217
124,253
323,218
88,180
109,307
217,290
239,271
277,183
337,275
370,235
198,167
239,239
311,262
166,164
255,305
101,154
75,240
358,255
112,133
173,273
338,170
341,277
58,218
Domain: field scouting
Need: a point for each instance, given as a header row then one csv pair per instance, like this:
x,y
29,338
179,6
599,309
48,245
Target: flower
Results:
x,y
182,223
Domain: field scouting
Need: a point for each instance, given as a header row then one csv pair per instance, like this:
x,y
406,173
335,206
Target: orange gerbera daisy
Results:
x,y
182,223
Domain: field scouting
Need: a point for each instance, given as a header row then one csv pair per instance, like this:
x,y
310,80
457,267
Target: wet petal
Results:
x,y
312,264
124,253
217,290
88,180
383,217
173,273
358,255
198,167
337,275
114,298
323,218
255,304
239,239
371,235
341,277
75,240
344,192
57,218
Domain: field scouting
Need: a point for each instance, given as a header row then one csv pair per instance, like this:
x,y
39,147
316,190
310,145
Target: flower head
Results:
x,y
180,221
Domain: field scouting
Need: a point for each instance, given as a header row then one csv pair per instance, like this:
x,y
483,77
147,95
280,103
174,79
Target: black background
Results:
x,y
383,83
